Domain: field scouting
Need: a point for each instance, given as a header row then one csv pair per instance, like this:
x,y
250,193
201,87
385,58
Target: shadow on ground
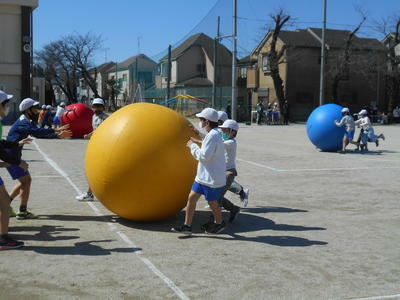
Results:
x,y
244,223
80,248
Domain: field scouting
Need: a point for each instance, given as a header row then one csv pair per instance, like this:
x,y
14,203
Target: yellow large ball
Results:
x,y
137,162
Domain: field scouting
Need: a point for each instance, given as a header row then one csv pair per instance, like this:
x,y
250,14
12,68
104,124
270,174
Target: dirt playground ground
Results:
x,y
318,226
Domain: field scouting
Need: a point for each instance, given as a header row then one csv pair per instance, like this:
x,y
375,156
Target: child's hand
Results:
x,y
66,134
87,136
4,164
189,143
25,141
194,140
62,128
24,165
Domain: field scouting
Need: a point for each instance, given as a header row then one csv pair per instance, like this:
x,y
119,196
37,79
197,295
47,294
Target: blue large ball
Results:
x,y
321,129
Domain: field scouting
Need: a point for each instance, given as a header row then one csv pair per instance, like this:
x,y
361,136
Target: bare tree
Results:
x,y
81,49
65,60
343,61
275,56
389,28
58,69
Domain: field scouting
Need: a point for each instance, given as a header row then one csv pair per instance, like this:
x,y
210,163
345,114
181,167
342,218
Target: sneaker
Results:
x,y
12,213
244,197
24,215
382,136
216,228
207,225
186,229
234,214
85,197
10,243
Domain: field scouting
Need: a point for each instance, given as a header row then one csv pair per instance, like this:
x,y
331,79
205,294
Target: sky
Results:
x,y
159,23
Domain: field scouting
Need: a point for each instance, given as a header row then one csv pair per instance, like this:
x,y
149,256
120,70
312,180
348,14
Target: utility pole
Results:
x,y
169,73
234,54
322,75
216,41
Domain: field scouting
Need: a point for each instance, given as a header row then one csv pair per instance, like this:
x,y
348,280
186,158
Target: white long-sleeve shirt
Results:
x,y
211,156
60,111
230,153
364,123
348,122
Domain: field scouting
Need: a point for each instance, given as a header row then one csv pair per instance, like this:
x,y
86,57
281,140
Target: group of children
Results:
x,y
367,133
50,118
216,171
11,154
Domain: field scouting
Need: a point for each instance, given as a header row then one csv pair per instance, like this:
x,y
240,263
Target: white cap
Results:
x,y
27,104
222,116
209,114
98,101
43,106
345,109
4,96
363,112
231,124
62,103
49,107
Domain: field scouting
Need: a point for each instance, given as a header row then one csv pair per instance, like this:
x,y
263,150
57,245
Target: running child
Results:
x,y
210,178
7,242
98,118
25,126
368,135
350,127
57,118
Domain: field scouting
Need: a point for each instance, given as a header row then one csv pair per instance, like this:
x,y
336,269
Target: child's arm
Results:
x,y
206,151
341,123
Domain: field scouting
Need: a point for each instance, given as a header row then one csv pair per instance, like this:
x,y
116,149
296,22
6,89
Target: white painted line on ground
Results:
x,y
257,164
314,170
146,261
337,169
397,296
46,176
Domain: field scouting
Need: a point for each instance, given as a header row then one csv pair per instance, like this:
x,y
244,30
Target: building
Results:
x,y
138,69
16,48
300,70
192,65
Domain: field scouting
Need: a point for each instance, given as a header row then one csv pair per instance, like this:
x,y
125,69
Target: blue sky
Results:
x,y
164,22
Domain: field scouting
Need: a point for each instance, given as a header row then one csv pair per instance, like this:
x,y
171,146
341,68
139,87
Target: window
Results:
x,y
265,63
124,77
243,73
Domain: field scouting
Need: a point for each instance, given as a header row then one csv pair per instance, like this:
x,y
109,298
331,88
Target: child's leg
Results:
x,y
4,210
191,207
235,188
25,191
15,191
216,210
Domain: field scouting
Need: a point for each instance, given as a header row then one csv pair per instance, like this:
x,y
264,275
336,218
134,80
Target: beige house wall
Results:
x,y
10,46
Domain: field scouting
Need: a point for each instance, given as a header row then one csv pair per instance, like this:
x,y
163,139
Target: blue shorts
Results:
x,y
56,121
17,172
211,194
275,115
1,182
350,134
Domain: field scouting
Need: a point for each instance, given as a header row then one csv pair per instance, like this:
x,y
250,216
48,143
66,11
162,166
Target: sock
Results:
x,y
22,208
4,237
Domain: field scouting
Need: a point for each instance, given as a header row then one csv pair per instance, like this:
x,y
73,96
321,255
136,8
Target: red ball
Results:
x,y
79,118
